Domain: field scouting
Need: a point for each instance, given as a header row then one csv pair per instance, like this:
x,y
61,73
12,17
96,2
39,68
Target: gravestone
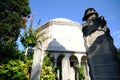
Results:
x,y
101,52
37,62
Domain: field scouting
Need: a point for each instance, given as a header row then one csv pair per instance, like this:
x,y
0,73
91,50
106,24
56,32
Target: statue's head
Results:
x,y
89,12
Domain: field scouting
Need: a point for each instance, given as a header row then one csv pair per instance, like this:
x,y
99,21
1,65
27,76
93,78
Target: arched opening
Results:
x,y
73,61
85,65
74,66
84,57
84,60
59,60
59,66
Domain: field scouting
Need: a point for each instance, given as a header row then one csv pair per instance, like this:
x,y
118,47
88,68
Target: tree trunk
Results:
x,y
26,51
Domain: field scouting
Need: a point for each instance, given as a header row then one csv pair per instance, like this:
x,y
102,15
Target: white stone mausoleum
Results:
x,y
65,41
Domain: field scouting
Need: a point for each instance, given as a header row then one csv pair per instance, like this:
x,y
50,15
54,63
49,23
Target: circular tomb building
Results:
x,y
65,41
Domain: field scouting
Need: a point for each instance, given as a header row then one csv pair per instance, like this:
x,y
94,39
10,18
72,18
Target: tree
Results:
x,y
18,69
11,20
12,13
30,38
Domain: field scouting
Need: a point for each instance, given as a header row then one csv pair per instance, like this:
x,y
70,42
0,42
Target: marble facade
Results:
x,y
66,43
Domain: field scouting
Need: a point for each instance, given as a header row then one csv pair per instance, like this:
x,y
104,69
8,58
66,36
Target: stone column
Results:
x,y
55,65
55,59
72,73
79,58
66,67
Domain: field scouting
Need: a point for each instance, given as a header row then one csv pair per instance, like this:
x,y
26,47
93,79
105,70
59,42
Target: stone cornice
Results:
x,y
56,51
60,22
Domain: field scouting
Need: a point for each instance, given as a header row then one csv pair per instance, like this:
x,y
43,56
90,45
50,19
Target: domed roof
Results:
x,y
63,20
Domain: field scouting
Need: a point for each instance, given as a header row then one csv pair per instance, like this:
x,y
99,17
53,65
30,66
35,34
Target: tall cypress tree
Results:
x,y
12,13
11,18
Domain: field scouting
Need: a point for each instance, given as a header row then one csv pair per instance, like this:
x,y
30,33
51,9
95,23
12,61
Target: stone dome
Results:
x,y
64,20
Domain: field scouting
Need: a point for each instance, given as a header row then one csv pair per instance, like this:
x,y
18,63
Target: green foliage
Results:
x,y
11,20
16,70
47,60
118,50
47,72
8,51
13,65
29,38
16,66
81,72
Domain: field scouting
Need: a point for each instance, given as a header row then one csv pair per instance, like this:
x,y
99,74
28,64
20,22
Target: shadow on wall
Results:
x,y
54,45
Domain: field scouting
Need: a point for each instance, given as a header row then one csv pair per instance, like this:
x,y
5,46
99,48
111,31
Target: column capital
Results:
x,y
67,55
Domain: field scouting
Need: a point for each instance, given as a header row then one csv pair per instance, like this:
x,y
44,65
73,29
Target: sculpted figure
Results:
x,y
101,52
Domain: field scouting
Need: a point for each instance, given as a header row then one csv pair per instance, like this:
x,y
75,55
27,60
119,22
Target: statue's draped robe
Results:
x,y
102,54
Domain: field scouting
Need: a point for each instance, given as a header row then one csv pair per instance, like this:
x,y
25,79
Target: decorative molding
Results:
x,y
61,21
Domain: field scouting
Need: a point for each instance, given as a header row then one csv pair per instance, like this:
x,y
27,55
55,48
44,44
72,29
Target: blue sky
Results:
x,y
74,10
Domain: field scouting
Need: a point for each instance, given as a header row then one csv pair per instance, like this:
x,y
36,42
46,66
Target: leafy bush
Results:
x,y
15,70
8,51
81,73
47,72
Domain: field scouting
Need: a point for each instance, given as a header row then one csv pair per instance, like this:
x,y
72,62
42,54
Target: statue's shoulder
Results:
x,y
101,20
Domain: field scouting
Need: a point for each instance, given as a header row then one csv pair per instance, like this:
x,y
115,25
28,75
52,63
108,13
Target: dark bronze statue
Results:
x,y
101,52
